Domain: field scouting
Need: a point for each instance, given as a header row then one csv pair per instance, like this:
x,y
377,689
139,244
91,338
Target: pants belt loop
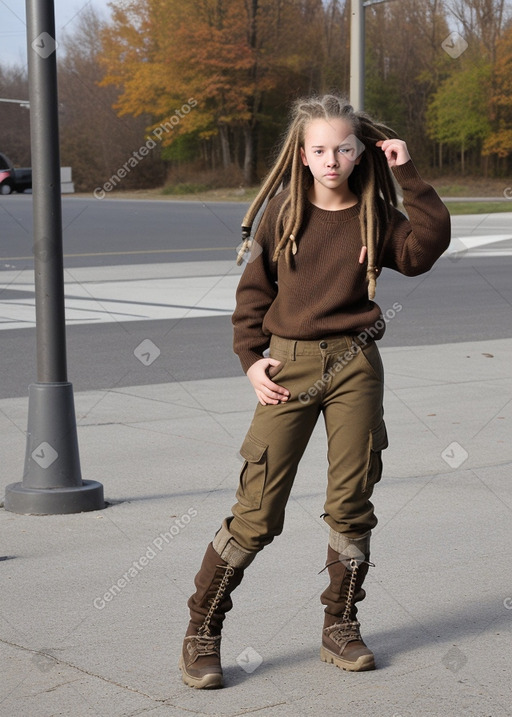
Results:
x,y
353,342
293,350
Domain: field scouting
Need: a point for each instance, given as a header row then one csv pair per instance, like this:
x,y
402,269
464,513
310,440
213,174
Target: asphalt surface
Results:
x,y
111,232
114,231
466,300
120,264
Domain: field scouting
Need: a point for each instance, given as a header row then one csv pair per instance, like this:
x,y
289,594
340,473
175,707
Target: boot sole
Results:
x,y
213,681
362,664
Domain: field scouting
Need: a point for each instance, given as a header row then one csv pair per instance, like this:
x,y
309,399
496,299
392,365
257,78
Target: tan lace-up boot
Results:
x,y
221,572
347,563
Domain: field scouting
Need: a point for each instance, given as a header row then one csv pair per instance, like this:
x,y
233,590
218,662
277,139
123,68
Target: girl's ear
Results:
x,y
303,157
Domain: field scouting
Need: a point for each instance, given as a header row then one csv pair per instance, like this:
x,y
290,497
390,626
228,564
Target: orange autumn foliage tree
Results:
x,y
226,55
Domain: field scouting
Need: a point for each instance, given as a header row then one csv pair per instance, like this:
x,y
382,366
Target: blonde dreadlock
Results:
x,y
371,180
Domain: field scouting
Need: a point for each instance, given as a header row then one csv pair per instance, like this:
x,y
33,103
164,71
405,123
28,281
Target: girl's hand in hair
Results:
x,y
395,150
259,374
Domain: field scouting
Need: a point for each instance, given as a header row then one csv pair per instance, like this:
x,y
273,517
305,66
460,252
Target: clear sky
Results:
x,y
13,39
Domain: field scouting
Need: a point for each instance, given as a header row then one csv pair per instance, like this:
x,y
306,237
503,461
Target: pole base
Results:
x,y
52,480
54,501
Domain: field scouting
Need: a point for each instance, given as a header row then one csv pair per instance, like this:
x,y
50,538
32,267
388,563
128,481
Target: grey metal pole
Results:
x,y
357,48
52,481
44,133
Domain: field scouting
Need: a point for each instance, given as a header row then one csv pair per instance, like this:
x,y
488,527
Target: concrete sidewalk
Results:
x,y
93,605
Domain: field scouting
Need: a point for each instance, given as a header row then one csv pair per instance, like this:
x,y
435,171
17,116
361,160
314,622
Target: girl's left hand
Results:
x,y
395,150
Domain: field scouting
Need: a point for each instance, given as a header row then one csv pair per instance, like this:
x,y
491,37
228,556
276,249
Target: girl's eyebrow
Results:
x,y
321,146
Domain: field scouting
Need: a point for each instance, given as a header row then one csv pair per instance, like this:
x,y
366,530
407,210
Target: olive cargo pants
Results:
x,y
342,378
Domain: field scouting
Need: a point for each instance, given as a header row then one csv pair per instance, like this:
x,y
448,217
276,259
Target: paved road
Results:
x,y
178,292
113,232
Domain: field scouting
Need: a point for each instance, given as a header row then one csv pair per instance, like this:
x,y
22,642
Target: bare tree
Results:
x,y
404,61
14,120
482,22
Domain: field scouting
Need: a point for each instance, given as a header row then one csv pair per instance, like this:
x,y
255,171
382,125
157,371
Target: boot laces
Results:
x,y
348,630
204,630
354,567
343,632
207,644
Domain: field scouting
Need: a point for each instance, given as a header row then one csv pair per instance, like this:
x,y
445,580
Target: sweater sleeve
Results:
x,y
414,243
255,293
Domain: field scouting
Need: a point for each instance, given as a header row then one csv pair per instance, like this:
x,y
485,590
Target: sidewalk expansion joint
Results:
x,y
82,670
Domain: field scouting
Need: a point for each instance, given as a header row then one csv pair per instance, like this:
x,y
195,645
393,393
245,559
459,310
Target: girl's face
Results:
x,y
331,150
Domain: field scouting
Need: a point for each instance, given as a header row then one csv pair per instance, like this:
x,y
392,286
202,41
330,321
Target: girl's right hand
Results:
x,y
266,390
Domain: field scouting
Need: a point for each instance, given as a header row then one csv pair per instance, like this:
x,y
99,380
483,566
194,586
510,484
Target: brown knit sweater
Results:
x,y
325,291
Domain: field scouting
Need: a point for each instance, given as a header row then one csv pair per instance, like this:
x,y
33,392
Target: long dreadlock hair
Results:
x,y
371,180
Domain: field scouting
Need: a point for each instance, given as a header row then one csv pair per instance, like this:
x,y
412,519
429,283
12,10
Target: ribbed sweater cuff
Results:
x,y
247,358
404,173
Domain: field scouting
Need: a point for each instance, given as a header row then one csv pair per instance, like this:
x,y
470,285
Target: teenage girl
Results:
x,y
305,327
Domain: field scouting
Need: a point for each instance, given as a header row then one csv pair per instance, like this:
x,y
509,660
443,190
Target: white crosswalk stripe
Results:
x,y
170,291
128,293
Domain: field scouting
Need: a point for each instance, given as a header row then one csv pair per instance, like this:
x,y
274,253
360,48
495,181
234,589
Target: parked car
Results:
x,y
13,179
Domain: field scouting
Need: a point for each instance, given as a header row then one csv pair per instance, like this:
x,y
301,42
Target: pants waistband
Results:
x,y
331,344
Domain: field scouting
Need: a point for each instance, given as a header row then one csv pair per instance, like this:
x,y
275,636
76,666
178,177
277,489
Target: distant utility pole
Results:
x,y
357,48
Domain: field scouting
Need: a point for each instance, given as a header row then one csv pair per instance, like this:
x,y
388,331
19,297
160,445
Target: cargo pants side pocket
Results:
x,y
378,441
253,473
